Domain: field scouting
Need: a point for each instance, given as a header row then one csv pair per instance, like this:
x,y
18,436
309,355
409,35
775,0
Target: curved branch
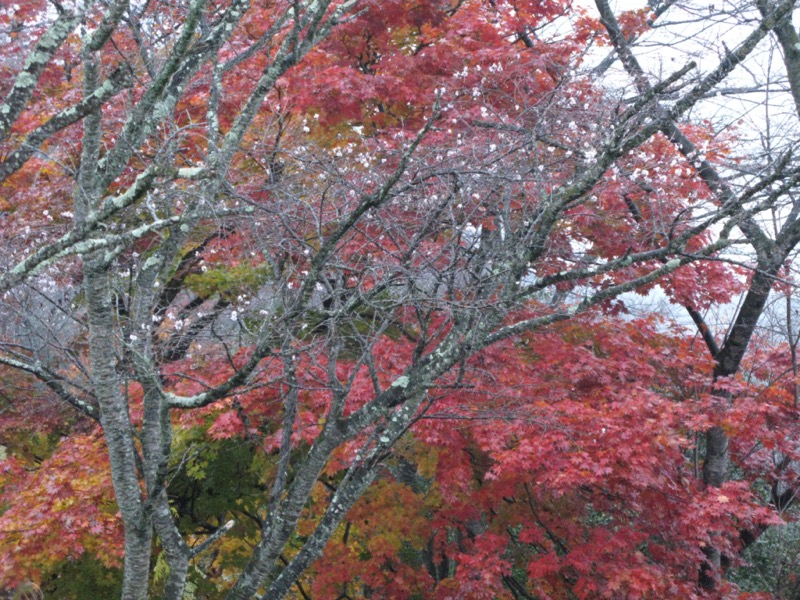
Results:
x,y
118,81
28,78
55,384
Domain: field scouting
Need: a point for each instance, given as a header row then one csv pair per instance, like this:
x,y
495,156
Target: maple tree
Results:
x,y
331,290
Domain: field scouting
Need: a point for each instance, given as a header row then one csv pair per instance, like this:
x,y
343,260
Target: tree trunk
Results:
x,y
117,430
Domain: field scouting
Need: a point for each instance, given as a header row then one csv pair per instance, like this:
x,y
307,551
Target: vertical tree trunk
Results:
x,y
118,431
175,548
108,389
717,459
715,466
715,471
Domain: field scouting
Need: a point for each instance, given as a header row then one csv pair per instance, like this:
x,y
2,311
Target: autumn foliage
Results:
x,y
381,210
